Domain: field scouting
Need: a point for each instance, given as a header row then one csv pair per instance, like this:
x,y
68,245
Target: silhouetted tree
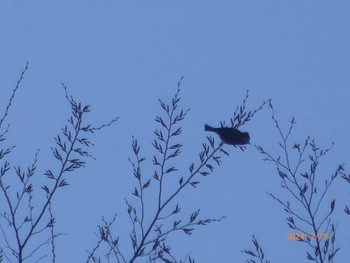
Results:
x,y
152,223
27,222
308,211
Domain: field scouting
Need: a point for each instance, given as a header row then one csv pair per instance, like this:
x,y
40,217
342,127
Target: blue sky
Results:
x,y
121,56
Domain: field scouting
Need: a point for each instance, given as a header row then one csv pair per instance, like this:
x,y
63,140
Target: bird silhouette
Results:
x,y
230,136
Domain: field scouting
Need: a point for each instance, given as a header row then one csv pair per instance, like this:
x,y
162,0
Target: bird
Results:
x,y
230,136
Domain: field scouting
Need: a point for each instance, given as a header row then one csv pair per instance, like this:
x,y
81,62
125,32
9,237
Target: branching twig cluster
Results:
x,y
150,232
306,211
258,254
346,177
27,226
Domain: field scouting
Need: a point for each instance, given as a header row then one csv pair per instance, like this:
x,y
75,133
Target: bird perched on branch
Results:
x,y
230,136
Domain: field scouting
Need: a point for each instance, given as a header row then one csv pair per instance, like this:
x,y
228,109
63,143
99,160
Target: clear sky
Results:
x,y
121,56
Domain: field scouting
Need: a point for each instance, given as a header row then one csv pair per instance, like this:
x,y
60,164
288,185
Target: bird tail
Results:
x,y
208,128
